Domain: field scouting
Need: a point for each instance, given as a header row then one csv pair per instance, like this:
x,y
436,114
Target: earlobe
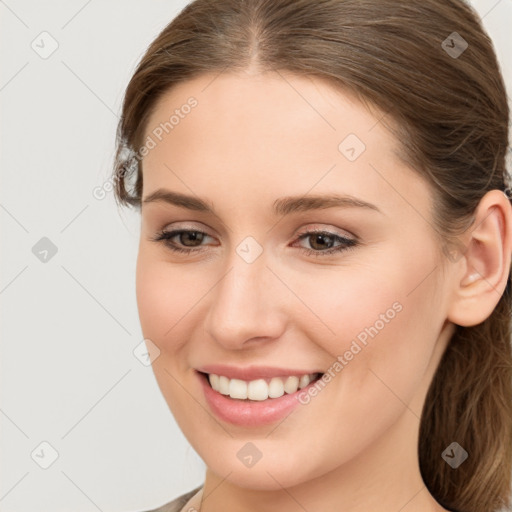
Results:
x,y
485,263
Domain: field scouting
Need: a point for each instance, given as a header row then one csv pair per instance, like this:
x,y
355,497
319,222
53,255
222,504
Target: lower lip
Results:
x,y
249,413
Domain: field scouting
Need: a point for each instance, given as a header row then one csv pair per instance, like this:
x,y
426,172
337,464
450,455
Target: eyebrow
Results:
x,y
282,206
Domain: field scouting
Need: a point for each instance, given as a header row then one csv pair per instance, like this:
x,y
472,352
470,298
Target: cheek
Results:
x,y
165,295
382,316
385,336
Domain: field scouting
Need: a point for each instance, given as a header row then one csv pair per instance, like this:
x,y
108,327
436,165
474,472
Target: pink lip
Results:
x,y
249,413
252,372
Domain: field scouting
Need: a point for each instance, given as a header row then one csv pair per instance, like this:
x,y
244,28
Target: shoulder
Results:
x,y
178,503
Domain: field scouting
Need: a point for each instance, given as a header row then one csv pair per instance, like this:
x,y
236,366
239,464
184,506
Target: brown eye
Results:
x,y
186,237
319,239
194,236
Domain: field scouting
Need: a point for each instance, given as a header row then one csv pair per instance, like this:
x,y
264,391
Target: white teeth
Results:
x,y
304,381
291,384
276,388
214,381
237,388
223,385
259,389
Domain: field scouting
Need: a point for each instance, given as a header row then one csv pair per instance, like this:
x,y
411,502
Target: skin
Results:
x,y
252,139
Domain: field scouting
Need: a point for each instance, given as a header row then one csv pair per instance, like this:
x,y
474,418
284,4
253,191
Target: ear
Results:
x,y
482,272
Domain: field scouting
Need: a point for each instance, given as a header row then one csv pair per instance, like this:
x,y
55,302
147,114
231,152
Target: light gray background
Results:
x,y
69,325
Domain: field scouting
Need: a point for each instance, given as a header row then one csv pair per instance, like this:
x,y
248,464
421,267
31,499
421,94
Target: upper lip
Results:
x,y
252,372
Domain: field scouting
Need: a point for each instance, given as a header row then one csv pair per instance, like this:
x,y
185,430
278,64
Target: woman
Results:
x,y
371,373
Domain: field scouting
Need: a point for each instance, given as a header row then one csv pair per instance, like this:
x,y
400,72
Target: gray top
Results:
x,y
177,504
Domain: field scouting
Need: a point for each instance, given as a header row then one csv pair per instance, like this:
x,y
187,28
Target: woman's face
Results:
x,y
371,314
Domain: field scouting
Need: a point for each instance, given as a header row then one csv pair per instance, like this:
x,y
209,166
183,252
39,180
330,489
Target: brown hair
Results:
x,y
446,104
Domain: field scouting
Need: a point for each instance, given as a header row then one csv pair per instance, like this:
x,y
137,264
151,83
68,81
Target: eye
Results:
x,y
319,238
192,239
185,235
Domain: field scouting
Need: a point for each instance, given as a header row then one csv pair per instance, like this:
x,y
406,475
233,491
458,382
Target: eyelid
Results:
x,y
184,227
332,230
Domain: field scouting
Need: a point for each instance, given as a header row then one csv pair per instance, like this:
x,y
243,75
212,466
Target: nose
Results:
x,y
247,305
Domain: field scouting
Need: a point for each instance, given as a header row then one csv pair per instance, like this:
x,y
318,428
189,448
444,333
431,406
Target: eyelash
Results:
x,y
347,243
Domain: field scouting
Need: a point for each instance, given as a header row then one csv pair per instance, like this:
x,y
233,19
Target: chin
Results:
x,y
270,473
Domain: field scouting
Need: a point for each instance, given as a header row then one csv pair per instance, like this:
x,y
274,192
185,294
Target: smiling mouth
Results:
x,y
260,389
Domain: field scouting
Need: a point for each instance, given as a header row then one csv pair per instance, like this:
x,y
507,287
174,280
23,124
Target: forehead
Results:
x,y
267,103
274,134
